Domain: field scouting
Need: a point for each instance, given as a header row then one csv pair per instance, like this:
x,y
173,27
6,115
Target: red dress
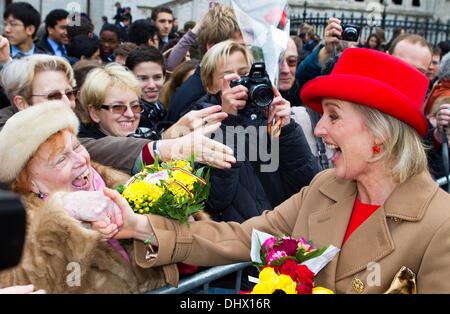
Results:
x,y
360,214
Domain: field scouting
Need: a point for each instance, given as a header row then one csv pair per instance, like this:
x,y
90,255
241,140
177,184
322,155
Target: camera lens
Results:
x,y
261,95
350,34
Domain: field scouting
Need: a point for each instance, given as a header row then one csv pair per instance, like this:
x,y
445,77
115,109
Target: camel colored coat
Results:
x,y
411,229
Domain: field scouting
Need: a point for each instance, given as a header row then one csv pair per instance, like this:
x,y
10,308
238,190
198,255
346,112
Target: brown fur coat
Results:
x,y
59,247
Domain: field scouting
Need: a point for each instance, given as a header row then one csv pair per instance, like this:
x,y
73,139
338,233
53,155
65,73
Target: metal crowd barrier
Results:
x,y
442,181
203,278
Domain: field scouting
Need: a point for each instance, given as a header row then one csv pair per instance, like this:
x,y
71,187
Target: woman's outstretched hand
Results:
x,y
135,226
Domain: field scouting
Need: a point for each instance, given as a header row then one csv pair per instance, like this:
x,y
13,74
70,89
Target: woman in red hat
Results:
x,y
379,204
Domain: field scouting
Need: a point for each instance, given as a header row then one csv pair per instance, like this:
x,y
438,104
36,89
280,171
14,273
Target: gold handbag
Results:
x,y
404,282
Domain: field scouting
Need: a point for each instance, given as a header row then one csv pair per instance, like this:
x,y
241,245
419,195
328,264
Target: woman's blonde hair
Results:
x,y
99,80
402,147
218,55
18,75
219,24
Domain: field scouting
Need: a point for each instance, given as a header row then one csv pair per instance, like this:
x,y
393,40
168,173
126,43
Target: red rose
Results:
x,y
289,268
304,289
301,274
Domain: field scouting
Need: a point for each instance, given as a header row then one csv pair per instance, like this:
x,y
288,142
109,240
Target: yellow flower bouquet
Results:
x,y
173,189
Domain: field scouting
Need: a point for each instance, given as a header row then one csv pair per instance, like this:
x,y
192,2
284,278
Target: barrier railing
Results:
x,y
204,278
442,181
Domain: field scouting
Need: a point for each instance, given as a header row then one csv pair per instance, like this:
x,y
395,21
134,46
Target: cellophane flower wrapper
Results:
x,y
278,257
315,264
265,27
174,189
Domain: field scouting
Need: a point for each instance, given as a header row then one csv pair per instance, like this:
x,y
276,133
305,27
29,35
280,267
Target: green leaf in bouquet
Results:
x,y
154,167
199,172
172,204
168,207
302,257
120,188
193,209
279,262
192,160
142,164
156,162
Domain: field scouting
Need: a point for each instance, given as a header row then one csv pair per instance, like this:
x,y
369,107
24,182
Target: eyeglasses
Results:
x,y
292,62
13,24
120,109
71,95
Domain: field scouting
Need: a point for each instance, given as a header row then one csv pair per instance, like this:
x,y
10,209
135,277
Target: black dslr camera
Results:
x,y
260,93
12,229
350,32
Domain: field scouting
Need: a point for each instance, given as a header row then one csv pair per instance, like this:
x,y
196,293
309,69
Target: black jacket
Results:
x,y
90,131
435,160
153,120
186,96
245,191
293,95
44,46
4,101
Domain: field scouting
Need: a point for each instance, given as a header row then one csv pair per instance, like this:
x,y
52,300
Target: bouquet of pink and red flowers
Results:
x,y
288,265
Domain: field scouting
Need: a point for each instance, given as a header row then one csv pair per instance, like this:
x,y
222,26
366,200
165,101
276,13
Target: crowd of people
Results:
x,y
355,131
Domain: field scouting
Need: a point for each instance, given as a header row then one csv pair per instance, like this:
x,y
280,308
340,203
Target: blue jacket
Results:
x,y
309,68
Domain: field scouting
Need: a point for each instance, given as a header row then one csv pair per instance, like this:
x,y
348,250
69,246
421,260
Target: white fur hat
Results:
x,y
26,130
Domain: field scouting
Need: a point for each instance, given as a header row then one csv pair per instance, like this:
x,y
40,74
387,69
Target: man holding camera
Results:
x,y
411,48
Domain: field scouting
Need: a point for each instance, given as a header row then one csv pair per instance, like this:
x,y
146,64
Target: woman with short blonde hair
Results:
x,y
217,57
99,81
111,98
19,77
403,150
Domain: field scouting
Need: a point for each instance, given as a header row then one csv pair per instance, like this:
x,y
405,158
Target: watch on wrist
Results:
x,y
156,148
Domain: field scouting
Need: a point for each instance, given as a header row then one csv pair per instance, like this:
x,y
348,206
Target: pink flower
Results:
x,y
273,256
268,245
302,243
156,178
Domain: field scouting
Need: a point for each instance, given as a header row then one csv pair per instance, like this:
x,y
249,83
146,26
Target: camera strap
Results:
x,y
445,158
334,53
274,127
314,117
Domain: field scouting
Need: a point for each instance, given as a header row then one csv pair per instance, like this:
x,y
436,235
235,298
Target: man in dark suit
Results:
x,y
56,38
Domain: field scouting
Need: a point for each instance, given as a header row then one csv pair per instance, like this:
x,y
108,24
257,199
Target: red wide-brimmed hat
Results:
x,y
374,79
